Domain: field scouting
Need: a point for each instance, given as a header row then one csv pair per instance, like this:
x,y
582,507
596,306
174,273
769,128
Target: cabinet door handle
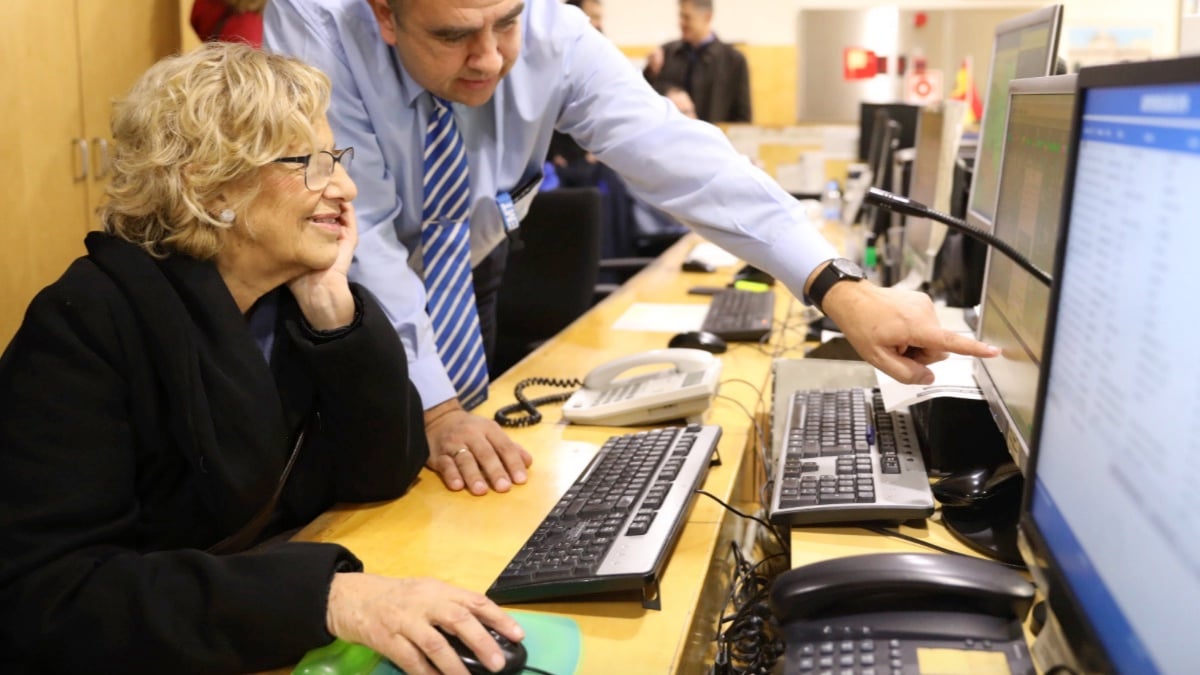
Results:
x,y
103,161
82,144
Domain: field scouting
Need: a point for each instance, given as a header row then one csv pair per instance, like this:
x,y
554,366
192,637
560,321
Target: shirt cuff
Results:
x,y
429,376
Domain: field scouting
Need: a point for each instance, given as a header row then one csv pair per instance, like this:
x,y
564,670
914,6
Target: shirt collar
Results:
x,y
410,91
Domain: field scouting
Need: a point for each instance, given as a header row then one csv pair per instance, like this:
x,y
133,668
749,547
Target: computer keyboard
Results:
x,y
845,458
740,316
615,526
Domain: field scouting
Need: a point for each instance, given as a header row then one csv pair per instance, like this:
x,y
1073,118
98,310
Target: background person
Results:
x,y
713,73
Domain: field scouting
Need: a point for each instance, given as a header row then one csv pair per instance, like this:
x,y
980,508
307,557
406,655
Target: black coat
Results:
x,y
720,86
139,425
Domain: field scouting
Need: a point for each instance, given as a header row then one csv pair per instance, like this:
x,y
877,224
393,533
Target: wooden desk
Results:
x,y
467,540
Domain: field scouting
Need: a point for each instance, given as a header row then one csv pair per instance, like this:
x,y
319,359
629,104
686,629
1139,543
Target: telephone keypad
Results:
x,y
847,650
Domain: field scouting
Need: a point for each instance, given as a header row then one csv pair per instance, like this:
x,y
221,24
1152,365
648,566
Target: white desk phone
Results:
x,y
685,388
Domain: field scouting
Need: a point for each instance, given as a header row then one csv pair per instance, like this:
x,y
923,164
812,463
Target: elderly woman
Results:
x,y
204,380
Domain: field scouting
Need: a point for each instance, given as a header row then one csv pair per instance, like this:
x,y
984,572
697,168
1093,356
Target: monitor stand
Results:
x,y
990,530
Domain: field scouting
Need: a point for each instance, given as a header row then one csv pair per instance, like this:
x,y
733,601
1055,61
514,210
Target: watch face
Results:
x,y
848,268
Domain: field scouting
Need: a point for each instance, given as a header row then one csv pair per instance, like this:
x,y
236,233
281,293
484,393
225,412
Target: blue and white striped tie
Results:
x,y
446,253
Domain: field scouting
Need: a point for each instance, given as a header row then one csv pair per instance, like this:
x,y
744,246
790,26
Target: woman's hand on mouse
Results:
x,y
399,618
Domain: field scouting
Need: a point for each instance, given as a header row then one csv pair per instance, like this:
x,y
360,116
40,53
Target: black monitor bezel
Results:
x,y
1064,604
1052,15
1025,86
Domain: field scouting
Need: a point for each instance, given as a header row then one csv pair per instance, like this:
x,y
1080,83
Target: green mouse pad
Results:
x,y
552,642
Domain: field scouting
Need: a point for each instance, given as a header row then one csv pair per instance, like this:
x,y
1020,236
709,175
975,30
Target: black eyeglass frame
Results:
x,y
344,157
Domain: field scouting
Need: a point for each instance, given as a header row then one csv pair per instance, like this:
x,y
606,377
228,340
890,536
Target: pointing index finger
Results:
x,y
965,345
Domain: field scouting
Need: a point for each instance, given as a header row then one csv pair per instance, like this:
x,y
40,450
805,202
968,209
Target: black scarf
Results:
x,y
223,405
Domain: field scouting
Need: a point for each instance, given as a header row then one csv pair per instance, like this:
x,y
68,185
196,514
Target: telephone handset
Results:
x,y
926,612
684,388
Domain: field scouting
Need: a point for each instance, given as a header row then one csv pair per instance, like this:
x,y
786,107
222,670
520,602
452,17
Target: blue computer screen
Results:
x,y
1118,453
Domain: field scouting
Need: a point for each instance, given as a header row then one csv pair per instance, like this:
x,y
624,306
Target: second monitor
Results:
x,y
1014,303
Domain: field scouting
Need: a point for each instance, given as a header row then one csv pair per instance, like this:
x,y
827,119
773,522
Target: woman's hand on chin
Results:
x,y
324,295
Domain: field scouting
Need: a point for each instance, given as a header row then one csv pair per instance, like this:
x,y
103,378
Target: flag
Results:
x,y
964,90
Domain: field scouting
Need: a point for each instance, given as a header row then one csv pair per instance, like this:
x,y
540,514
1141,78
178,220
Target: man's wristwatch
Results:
x,y
838,269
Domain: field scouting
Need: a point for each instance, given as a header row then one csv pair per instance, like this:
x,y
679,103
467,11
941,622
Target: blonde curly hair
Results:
x,y
196,126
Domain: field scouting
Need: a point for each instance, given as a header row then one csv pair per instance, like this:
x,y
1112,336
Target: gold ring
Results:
x,y
459,452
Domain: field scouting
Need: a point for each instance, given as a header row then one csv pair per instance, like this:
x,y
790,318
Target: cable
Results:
x,y
760,436
528,406
748,639
535,671
783,542
893,202
879,529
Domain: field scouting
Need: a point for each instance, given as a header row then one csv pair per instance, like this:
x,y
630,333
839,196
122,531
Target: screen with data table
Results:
x,y
1118,448
1027,218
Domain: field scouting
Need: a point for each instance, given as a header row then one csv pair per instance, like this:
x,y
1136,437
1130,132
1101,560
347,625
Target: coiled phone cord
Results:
x,y
530,406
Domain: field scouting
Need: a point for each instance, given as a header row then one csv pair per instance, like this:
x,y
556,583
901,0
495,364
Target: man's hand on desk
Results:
x,y
400,618
471,451
896,331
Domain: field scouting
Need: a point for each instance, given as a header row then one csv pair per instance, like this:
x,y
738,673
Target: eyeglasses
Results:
x,y
318,167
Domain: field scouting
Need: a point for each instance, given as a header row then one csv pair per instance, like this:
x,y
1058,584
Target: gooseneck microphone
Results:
x,y
894,202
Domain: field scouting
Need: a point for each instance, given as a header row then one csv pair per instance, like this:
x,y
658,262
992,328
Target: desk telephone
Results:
x,y
910,612
684,388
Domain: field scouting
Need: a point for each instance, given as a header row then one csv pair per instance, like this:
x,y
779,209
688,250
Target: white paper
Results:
x,y
714,255
662,318
953,377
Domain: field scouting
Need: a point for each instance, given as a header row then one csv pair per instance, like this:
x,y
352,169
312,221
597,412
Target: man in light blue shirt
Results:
x,y
515,71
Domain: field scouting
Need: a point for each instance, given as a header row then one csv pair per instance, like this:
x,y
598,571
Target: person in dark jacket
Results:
x,y
204,381
713,73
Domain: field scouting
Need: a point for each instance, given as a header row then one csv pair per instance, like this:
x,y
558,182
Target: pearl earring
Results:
x,y
227,216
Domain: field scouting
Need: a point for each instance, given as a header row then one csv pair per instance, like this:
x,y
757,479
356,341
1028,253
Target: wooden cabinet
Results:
x,y
65,62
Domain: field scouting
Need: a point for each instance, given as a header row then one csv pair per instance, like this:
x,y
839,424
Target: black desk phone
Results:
x,y
903,613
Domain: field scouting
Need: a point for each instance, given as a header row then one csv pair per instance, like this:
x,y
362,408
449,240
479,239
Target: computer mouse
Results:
x,y
514,654
978,486
752,273
697,266
699,339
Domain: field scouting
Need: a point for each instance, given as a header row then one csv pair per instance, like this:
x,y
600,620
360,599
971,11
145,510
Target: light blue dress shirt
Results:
x,y
568,77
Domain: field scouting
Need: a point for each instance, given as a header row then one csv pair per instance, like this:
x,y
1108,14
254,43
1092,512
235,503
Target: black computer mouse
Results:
x,y
978,486
699,339
752,273
514,654
698,266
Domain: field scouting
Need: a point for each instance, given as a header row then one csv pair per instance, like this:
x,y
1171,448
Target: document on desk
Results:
x,y
708,252
662,318
952,377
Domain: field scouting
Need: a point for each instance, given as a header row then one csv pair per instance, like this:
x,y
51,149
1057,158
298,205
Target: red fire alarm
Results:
x,y
920,19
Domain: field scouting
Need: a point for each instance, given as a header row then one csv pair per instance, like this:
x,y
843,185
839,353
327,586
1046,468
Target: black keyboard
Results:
x,y
845,458
740,316
615,526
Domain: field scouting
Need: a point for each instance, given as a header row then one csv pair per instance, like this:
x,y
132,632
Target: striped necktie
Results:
x,y
446,253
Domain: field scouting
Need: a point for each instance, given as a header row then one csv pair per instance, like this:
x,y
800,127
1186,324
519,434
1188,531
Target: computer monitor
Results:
x,y
904,113
884,132
1110,522
939,131
884,139
1025,46
1014,304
